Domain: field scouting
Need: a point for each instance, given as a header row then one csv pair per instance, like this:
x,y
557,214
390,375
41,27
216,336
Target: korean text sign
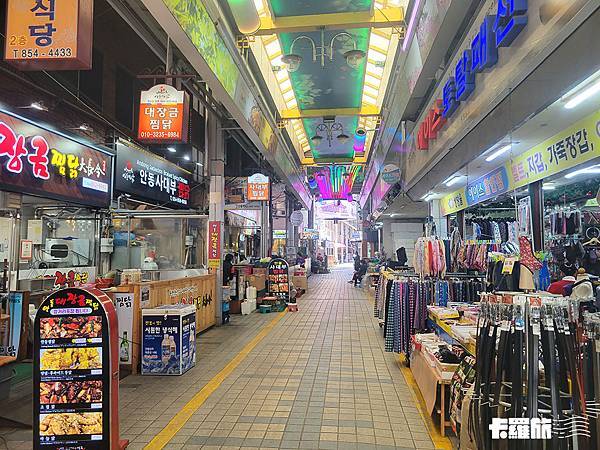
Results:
x,y
214,244
41,162
148,176
258,188
49,34
163,115
577,144
72,371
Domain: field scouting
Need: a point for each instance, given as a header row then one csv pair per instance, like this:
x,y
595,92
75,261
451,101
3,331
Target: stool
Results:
x,y
264,309
292,307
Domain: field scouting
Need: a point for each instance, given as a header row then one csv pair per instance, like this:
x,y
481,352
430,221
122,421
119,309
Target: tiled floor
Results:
x,y
319,379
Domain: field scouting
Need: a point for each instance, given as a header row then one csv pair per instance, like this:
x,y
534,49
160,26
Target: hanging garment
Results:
x,y
527,257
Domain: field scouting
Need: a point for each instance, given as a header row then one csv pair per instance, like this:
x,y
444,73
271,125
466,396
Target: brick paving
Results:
x,y
319,380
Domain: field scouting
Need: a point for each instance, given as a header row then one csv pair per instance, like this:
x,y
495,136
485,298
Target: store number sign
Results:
x,y
72,372
163,115
49,34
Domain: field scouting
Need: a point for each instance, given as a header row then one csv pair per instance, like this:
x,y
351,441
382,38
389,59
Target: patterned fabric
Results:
x,y
462,380
527,257
389,320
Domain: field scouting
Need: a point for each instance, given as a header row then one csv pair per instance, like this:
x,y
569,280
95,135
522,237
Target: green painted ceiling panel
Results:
x,y
337,150
334,86
303,7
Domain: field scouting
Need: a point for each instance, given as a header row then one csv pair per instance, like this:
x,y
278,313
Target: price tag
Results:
x,y
509,265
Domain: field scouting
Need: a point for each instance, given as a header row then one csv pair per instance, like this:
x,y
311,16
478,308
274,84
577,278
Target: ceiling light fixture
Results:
x,y
429,196
588,92
411,24
451,181
353,57
585,171
246,15
548,187
329,126
498,152
40,106
186,157
172,149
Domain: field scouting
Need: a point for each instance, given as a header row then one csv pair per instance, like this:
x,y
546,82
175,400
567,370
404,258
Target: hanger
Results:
x,y
593,241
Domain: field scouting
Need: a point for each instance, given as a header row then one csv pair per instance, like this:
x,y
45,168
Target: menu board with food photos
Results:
x,y
279,279
72,371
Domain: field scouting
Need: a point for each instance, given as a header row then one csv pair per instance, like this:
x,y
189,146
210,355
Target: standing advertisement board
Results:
x,y
279,279
76,372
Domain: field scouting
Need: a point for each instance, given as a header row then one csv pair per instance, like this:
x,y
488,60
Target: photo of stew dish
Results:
x,y
70,423
63,392
71,358
71,327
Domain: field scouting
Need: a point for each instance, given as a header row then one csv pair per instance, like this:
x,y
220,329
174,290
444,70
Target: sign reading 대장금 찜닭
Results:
x,y
49,34
148,176
164,115
38,161
258,188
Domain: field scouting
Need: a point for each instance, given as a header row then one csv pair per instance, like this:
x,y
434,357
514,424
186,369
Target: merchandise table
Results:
x,y
428,379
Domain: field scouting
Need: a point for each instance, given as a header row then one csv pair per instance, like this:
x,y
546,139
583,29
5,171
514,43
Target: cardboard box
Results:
x,y
300,282
258,281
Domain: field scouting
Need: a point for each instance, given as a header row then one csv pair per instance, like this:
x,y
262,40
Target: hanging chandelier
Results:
x,y
353,57
328,127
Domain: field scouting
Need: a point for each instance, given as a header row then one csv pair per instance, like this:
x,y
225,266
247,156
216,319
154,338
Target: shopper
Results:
x,y
227,269
357,265
360,273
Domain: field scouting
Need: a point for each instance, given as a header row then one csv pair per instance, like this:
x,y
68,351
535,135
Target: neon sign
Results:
x,y
494,32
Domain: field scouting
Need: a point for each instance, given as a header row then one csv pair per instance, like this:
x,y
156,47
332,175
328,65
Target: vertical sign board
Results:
x,y
258,188
76,372
124,306
279,279
214,244
164,115
49,34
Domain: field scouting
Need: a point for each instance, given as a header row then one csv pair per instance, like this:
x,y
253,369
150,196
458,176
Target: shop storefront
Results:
x,y
55,192
158,246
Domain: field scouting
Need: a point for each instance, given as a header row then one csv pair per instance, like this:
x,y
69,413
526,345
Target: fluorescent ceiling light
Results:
x,y
372,92
411,24
172,149
375,55
583,95
502,150
273,48
429,196
186,157
292,103
585,171
39,106
199,164
372,80
288,96
281,76
379,41
451,181
548,187
366,98
285,85
374,70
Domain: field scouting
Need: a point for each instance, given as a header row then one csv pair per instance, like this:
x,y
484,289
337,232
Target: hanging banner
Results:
x,y
164,115
148,176
49,34
75,371
258,188
214,244
310,234
577,144
37,161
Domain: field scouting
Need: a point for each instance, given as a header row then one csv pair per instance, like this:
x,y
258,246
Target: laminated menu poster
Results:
x,y
169,340
279,279
72,366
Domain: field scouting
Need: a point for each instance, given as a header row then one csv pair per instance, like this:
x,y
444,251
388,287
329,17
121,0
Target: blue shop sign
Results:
x,y
495,31
488,186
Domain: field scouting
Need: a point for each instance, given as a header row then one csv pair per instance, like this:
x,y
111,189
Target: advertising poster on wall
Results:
x,y
124,305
